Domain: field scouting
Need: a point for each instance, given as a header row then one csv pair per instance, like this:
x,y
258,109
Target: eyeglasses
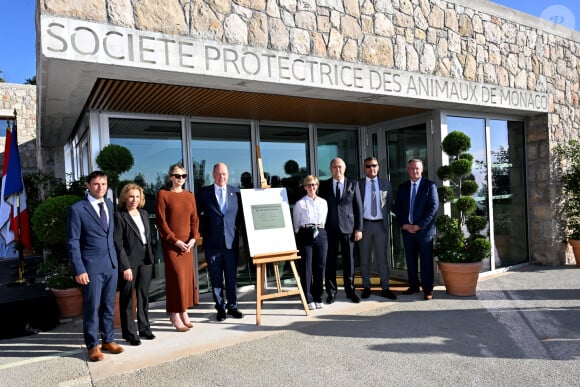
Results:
x,y
371,165
311,185
178,176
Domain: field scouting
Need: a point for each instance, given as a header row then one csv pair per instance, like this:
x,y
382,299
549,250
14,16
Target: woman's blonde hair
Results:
x,y
124,195
309,179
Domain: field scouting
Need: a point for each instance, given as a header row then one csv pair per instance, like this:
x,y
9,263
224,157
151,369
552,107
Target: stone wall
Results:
x,y
460,39
23,99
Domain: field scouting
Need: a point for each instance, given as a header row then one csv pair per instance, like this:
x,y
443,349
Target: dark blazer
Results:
x,y
128,241
386,196
346,215
91,246
217,228
426,205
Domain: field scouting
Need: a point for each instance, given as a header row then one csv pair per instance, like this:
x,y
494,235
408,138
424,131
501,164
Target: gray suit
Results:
x,y
376,233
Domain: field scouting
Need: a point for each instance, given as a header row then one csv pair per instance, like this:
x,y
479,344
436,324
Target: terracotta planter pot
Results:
x,y
69,301
575,249
460,278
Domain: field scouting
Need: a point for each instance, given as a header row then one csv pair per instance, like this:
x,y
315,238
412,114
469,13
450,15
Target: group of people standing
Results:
x,y
111,249
346,212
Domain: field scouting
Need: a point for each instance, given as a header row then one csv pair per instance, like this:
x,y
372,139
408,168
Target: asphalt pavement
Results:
x,y
521,329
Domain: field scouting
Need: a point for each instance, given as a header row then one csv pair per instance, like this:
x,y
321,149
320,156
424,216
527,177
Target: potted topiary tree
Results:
x,y
459,246
569,158
114,160
49,227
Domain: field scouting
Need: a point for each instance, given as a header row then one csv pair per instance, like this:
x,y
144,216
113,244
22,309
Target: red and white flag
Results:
x,y
13,195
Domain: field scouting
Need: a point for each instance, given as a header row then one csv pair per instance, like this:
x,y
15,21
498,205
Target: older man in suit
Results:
x,y
377,198
219,210
91,249
344,227
416,207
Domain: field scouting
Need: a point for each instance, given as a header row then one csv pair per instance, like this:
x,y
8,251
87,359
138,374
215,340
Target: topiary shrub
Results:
x,y
49,228
452,245
114,160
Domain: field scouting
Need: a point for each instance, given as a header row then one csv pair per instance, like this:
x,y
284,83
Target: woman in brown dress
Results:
x,y
178,226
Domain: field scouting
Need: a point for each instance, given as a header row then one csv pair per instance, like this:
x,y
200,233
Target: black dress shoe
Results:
x,y
366,293
411,291
330,299
388,294
147,335
221,315
133,340
353,297
428,296
235,313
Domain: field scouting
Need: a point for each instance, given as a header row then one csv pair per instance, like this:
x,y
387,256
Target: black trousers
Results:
x,y
346,243
141,283
312,263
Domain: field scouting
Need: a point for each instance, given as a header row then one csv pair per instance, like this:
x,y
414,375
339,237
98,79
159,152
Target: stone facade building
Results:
x,y
314,79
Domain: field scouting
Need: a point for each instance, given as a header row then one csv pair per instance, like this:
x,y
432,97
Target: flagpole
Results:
x,y
19,245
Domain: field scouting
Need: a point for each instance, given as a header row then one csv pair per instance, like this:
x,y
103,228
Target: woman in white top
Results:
x,y
309,217
133,245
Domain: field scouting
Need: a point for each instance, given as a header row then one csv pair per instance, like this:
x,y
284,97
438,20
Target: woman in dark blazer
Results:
x,y
133,245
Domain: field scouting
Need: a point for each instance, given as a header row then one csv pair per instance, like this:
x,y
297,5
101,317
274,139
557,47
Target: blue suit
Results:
x,y
419,246
221,242
91,250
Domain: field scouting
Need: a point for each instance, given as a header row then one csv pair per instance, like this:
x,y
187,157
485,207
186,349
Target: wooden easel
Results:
x,y
260,260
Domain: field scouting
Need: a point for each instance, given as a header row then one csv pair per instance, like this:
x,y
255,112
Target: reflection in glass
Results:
x,y
155,145
403,145
337,143
285,158
509,193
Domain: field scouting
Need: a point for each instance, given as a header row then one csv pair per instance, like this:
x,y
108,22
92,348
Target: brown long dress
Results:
x,y
177,220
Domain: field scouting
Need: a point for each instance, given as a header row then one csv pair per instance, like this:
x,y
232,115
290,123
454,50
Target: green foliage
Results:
x,y
446,194
456,143
569,155
114,160
49,227
452,245
469,187
57,273
49,219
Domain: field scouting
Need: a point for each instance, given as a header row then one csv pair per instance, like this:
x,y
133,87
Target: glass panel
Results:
x,y
509,193
285,158
475,129
338,143
231,144
228,143
155,145
403,145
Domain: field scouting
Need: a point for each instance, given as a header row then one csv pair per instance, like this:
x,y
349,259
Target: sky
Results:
x,y
18,36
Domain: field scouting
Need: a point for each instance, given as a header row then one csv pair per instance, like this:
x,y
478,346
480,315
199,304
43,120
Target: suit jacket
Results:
x,y
386,197
426,205
91,246
216,228
128,241
346,215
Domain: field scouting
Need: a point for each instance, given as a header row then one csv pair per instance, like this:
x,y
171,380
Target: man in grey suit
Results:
x,y
343,227
377,196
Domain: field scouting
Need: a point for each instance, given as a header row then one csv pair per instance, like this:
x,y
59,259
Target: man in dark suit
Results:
x,y
377,198
344,227
416,207
92,254
219,211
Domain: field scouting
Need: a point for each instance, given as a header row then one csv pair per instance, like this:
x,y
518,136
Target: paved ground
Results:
x,y
520,330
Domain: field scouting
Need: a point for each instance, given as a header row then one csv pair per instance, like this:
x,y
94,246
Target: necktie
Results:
x,y
222,202
338,191
412,204
103,215
373,199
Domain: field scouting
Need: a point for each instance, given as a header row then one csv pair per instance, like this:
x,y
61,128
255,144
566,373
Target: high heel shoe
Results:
x,y
176,322
185,320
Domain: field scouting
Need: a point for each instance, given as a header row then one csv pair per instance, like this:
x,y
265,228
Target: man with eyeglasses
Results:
x,y
344,227
377,196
